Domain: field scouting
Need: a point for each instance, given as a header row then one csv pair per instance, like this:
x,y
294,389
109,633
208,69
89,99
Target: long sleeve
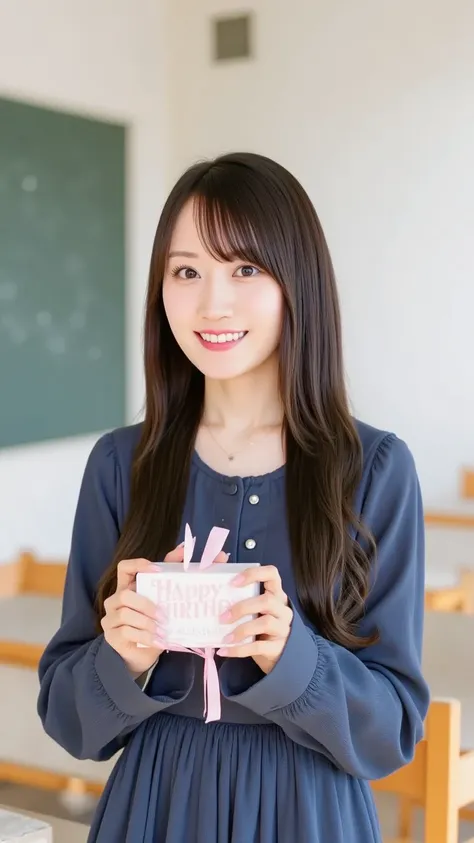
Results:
x,y
88,701
364,709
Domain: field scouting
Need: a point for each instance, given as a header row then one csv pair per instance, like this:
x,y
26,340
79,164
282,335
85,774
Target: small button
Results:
x,y
253,499
231,488
250,544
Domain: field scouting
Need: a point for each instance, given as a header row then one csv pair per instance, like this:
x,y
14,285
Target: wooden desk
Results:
x,y
27,754
461,515
27,623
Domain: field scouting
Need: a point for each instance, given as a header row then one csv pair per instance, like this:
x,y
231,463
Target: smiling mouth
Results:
x,y
220,341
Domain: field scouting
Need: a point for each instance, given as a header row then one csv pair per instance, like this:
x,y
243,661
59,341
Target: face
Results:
x,y
225,316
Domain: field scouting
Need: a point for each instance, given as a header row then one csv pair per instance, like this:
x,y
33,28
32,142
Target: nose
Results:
x,y
216,300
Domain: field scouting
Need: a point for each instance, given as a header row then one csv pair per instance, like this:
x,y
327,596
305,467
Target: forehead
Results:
x,y
185,234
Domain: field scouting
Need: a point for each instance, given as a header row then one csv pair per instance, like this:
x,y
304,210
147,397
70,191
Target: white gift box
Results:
x,y
193,599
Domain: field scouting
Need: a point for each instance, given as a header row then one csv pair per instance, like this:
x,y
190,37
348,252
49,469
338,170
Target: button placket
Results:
x,y
253,525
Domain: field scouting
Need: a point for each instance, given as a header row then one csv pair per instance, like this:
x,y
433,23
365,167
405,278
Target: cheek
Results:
x,y
177,306
267,306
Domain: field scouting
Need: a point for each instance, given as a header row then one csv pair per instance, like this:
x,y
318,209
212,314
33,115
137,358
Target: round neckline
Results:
x,y
226,478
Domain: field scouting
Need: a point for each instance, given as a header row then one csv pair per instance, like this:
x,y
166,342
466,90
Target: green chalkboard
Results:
x,y
62,274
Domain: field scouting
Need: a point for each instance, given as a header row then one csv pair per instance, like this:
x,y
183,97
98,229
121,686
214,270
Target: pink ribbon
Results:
x,y
212,692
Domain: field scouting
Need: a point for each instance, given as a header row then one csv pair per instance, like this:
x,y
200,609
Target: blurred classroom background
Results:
x,y
102,104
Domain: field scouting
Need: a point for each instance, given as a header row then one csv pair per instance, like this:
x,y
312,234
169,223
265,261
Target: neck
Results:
x,y
246,403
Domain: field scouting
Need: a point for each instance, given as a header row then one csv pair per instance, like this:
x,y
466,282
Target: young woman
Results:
x,y
247,426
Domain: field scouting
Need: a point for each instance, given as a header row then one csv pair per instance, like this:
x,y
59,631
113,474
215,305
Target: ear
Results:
x,y
214,545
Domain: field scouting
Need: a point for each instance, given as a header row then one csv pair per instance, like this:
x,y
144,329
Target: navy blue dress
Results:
x,y
292,756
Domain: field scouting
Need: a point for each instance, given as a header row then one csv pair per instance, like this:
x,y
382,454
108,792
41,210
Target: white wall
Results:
x,y
102,59
371,104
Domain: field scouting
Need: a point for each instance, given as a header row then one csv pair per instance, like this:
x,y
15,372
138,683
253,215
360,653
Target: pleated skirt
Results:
x,y
182,781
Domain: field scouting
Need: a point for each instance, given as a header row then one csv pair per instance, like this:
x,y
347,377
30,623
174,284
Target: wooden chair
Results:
x,y
30,575
466,581
446,636
467,483
448,665
21,584
30,607
449,599
439,779
452,598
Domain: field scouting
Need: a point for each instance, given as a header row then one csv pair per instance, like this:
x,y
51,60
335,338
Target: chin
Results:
x,y
223,373
219,369
226,365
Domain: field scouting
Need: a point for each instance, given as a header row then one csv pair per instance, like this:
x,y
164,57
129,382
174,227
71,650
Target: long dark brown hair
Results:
x,y
249,208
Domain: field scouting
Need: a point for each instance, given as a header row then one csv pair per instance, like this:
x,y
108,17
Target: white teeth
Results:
x,y
222,337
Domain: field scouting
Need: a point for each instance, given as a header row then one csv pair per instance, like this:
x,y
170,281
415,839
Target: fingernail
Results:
x,y
226,616
160,642
238,580
181,545
229,638
222,652
159,614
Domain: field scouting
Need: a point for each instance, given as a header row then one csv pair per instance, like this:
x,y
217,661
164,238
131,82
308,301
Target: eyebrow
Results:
x,y
182,255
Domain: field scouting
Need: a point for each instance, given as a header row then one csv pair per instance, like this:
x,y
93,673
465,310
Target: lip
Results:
x,y
220,346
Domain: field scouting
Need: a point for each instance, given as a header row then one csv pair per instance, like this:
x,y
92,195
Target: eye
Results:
x,y
187,273
247,271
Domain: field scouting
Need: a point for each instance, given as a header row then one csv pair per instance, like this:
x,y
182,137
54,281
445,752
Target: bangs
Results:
x,y
231,229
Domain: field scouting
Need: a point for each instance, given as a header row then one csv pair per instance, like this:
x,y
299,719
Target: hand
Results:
x,y
272,627
131,619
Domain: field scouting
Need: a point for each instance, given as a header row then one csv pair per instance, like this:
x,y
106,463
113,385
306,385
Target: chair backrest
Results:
x,y
467,483
449,599
37,576
432,778
466,581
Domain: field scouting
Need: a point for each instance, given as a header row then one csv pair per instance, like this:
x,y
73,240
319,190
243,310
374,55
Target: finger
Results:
x,y
129,617
263,573
222,557
130,635
260,647
264,604
176,555
269,575
264,625
127,570
138,602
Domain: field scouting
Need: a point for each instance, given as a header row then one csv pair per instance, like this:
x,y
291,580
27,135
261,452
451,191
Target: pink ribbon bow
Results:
x,y
212,693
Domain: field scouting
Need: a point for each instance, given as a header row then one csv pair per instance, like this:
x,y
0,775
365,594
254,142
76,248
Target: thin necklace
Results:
x,y
232,456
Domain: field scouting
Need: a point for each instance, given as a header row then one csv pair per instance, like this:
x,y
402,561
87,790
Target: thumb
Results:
x,y
176,555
